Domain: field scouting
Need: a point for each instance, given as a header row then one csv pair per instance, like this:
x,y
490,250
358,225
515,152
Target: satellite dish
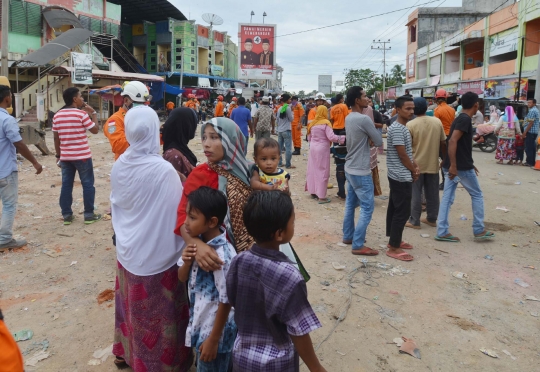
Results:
x,y
212,19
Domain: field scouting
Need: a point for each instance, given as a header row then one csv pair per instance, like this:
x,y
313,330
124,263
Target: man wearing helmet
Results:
x,y
135,93
218,112
446,115
192,102
232,106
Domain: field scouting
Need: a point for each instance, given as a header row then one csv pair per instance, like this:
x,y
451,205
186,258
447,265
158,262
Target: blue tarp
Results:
x,y
156,89
173,90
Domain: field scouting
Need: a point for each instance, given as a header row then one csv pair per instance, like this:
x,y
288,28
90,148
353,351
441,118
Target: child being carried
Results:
x,y
266,175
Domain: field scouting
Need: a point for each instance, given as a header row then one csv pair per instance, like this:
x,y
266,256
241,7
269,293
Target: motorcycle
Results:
x,y
489,144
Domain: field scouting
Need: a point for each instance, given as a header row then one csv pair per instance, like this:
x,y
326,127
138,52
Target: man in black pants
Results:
x,y
402,172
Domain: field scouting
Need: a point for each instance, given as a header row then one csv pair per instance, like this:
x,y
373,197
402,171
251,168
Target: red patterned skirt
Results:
x,y
152,314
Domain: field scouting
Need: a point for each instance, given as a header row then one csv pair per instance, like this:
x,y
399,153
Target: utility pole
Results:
x,y
384,49
518,88
5,32
182,69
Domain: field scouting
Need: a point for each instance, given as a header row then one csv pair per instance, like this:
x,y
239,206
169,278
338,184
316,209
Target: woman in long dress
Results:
x,y
151,306
320,136
506,130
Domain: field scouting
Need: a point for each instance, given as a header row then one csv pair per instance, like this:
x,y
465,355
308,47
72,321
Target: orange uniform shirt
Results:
x,y
446,115
114,130
312,113
298,112
10,356
219,110
170,106
191,104
338,114
231,109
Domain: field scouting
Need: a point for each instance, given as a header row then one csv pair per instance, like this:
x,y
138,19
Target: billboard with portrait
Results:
x,y
257,56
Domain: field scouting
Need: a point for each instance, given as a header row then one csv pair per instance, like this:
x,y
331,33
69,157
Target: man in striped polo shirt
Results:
x,y
71,143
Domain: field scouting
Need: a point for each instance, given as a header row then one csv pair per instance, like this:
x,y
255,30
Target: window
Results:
x,y
153,51
178,58
192,51
413,34
192,68
152,59
178,66
153,67
178,50
152,43
178,41
210,55
193,43
192,59
209,48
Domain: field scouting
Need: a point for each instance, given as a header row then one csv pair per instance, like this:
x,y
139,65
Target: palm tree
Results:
x,y
398,74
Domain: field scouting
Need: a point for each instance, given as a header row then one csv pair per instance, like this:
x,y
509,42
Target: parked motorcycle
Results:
x,y
489,144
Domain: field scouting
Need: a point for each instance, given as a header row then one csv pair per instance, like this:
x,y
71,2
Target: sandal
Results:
x,y
313,196
324,201
485,235
291,167
448,238
340,198
403,245
366,251
400,256
120,363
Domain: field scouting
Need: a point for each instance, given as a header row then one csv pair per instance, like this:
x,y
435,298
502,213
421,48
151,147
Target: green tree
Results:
x,y
397,75
301,94
366,78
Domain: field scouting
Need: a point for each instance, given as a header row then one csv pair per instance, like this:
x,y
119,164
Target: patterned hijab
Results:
x,y
234,143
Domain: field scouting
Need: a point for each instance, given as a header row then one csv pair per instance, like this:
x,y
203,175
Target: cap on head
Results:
x,y
420,106
137,91
441,93
265,99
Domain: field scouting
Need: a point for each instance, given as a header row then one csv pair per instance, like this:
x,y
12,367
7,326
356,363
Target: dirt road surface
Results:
x,y
51,286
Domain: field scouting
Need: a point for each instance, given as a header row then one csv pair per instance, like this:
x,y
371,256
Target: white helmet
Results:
x,y
320,96
137,91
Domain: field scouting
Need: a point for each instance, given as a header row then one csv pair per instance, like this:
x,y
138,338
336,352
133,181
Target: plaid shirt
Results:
x,y
534,115
269,296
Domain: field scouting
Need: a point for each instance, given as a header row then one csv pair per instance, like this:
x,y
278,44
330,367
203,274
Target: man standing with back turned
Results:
x,y
10,142
459,167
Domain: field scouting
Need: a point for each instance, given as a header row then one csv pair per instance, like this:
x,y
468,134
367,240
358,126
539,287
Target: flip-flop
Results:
x,y
486,235
399,256
403,245
451,239
368,252
324,201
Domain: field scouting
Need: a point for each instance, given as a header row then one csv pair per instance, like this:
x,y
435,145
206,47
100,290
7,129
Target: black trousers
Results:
x,y
530,148
399,210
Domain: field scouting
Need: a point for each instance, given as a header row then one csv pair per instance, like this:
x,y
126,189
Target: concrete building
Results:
x,y
484,56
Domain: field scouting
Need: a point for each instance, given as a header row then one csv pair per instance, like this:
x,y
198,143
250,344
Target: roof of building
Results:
x,y
65,70
151,11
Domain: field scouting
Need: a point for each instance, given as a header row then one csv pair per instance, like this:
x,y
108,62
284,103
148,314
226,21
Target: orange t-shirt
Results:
x,y
114,130
446,115
338,113
10,356
170,106
219,110
312,113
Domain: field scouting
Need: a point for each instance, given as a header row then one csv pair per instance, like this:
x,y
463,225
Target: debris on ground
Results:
x,y
73,263
459,275
521,283
340,244
424,235
23,335
510,355
34,359
463,217
504,209
326,283
531,298
36,346
338,266
100,356
535,314
489,352
398,341
409,347
106,295
488,257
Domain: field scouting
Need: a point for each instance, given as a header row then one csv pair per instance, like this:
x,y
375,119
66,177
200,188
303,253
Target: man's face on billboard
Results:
x,y
266,47
248,46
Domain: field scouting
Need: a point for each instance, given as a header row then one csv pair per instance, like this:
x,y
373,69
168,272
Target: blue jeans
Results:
x,y
470,183
247,141
285,141
9,194
86,174
360,193
220,364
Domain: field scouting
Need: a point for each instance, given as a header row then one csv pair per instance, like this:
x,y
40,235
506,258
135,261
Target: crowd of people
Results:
x,y
205,271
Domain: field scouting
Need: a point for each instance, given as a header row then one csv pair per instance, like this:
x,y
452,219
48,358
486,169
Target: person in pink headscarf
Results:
x,y
506,130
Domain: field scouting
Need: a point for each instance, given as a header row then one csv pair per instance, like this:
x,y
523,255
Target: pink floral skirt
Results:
x,y
152,314
506,149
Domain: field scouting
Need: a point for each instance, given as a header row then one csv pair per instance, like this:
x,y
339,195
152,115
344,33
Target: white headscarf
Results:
x,y
145,194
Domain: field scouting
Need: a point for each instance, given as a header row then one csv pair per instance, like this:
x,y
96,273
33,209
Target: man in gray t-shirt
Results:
x,y
402,172
284,118
360,131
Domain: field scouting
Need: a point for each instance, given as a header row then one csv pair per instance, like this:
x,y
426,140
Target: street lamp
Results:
x,y
252,14
264,15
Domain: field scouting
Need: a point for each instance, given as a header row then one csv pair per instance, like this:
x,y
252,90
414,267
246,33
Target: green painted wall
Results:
x,y
185,33
114,11
94,7
151,47
530,63
19,43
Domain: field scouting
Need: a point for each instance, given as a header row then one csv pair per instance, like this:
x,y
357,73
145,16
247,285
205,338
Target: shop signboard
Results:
x,y
450,88
415,92
82,68
391,93
257,57
504,42
429,92
471,86
500,89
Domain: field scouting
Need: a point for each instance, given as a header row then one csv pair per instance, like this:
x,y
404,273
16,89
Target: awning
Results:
x,y
468,37
189,74
10,63
151,11
56,17
54,49
170,89
64,70
416,84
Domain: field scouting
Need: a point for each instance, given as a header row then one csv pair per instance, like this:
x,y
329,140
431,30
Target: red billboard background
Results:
x,y
250,61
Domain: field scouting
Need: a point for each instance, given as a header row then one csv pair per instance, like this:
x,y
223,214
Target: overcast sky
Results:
x,y
306,55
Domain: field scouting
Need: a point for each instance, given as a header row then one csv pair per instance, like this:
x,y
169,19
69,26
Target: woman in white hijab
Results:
x,y
151,305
